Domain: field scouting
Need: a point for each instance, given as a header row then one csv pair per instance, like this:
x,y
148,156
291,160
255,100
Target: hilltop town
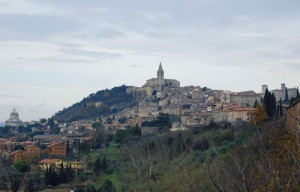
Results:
x,y
77,137
192,105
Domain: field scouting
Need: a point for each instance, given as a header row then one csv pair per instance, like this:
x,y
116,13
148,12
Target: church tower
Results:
x,y
160,76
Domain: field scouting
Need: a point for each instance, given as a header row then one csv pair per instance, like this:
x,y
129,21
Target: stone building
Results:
x,y
157,84
14,119
160,82
239,115
148,109
280,93
245,98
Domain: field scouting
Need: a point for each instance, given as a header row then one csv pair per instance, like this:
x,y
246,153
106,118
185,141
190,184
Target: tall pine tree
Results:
x,y
254,105
280,108
97,165
273,107
286,99
270,104
292,101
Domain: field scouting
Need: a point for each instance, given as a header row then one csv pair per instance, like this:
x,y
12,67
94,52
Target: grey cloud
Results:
x,y
64,59
35,27
90,54
10,96
135,65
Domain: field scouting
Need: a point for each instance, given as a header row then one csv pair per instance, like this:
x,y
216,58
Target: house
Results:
x,y
77,165
57,149
30,154
293,117
55,163
17,156
239,115
47,138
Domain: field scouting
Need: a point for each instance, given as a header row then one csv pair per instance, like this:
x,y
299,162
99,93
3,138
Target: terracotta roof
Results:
x,y
30,146
242,109
49,161
17,151
55,143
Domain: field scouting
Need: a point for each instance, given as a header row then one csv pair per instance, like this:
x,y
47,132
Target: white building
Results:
x,y
14,120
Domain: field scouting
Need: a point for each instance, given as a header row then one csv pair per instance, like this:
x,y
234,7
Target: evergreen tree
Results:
x,y
254,105
104,164
51,177
107,186
267,100
298,95
292,101
47,176
286,99
97,165
273,107
62,173
69,174
270,104
280,108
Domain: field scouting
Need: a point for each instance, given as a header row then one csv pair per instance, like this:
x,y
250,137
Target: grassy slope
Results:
x,y
186,165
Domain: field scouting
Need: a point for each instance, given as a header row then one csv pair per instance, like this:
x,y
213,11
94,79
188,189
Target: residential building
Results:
x,y
46,139
55,163
57,149
239,115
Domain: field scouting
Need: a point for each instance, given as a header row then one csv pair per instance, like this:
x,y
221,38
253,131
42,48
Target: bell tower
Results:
x,y
160,75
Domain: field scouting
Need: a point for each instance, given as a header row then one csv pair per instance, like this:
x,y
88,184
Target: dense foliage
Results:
x,y
117,97
163,122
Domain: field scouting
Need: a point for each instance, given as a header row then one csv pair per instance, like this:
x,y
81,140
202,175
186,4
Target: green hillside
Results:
x,y
113,100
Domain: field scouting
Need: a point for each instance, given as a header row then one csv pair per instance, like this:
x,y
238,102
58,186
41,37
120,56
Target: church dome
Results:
x,y
14,119
14,112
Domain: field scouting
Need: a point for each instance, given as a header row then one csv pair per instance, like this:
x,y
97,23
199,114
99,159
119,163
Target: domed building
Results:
x,y
14,119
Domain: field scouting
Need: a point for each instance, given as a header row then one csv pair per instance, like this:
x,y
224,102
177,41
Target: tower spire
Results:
x,y
160,75
160,67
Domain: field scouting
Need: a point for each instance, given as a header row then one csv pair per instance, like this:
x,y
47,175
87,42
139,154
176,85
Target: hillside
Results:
x,y
112,100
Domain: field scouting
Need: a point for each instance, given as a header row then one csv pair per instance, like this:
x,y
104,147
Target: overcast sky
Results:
x,y
55,52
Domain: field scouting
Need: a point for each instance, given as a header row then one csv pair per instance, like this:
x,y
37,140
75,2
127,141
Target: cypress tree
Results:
x,y
62,173
292,101
69,174
272,106
286,99
280,108
266,96
47,176
267,100
254,105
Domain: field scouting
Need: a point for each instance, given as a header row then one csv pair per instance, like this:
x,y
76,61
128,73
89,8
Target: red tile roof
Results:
x,y
49,161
